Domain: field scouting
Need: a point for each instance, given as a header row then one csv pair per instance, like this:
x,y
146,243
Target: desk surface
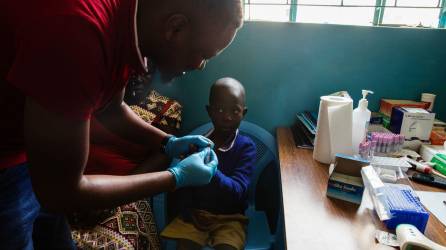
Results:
x,y
312,219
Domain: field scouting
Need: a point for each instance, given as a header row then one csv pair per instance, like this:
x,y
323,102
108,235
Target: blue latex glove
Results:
x,y
180,147
195,170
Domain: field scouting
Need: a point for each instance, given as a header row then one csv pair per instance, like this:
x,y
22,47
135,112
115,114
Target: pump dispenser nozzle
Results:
x,y
363,103
365,93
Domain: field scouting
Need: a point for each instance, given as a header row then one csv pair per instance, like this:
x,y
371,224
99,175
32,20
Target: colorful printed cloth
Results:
x,y
129,226
160,111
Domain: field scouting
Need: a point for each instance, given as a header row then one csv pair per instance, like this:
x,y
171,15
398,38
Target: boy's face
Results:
x,y
226,111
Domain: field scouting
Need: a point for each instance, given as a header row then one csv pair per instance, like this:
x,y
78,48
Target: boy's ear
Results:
x,y
245,110
174,25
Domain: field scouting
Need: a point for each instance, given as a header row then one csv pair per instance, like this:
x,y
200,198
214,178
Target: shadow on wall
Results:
x,y
285,67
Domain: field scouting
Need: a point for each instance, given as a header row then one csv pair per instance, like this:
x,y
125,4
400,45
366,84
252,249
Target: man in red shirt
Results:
x,y
65,61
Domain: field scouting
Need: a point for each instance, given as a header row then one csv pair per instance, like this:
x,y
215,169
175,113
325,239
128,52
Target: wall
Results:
x,y
286,67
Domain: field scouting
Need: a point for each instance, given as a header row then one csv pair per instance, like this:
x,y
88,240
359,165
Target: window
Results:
x,y
420,13
268,10
416,12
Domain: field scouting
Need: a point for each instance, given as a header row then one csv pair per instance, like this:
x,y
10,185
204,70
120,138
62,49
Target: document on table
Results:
x,y
434,202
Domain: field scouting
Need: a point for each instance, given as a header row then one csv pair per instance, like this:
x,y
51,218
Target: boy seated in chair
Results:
x,y
213,214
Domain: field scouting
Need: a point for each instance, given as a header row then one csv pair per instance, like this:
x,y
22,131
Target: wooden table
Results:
x,y
313,221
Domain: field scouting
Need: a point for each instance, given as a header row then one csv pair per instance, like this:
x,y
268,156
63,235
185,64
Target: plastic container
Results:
x,y
428,98
404,207
440,163
438,137
361,119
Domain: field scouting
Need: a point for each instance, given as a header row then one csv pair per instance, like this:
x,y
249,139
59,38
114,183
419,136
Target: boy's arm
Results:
x,y
237,183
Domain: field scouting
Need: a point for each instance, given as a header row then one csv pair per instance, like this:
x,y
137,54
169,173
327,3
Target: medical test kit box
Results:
x,y
412,122
345,180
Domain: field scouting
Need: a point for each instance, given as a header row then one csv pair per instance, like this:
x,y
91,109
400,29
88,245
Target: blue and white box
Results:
x,y
345,181
412,122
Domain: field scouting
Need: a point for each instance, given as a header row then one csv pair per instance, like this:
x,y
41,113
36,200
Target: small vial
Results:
x,y
394,143
399,143
366,152
384,144
368,146
373,136
362,150
379,147
372,149
389,144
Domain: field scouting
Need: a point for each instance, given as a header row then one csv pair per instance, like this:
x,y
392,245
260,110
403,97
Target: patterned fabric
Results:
x,y
160,111
129,226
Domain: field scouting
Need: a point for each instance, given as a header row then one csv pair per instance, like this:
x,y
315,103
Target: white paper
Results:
x,y
434,202
334,128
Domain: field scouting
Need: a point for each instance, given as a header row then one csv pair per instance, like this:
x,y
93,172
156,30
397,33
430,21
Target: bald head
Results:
x,y
227,87
181,35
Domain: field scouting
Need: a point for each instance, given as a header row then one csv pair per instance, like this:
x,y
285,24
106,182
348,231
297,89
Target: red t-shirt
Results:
x,y
110,154
70,56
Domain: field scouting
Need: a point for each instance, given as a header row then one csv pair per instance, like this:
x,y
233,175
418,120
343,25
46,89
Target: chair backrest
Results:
x,y
265,145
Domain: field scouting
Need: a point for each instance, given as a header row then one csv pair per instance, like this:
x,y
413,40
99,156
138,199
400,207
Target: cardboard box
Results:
x,y
345,181
439,125
438,137
412,122
386,105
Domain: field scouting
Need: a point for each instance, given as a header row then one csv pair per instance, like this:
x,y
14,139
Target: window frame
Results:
x,y
380,7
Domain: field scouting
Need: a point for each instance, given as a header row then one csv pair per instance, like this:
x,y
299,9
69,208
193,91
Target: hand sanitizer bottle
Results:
x,y
361,119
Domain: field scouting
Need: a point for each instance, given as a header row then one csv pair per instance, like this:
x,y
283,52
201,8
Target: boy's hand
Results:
x,y
178,147
193,170
192,149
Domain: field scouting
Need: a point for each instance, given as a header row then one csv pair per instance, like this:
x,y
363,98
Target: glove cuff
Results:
x,y
177,177
165,144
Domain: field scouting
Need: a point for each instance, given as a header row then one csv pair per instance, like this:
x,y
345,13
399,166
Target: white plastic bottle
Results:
x,y
361,119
